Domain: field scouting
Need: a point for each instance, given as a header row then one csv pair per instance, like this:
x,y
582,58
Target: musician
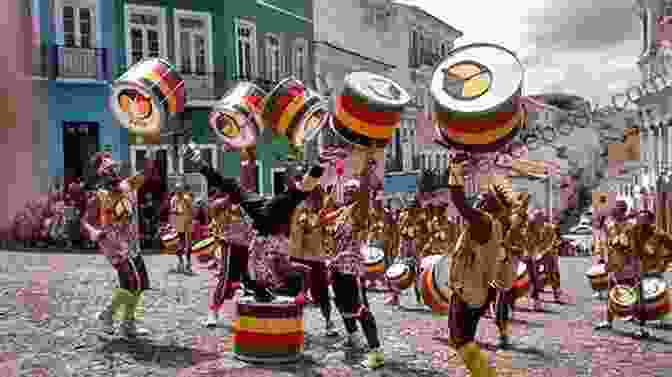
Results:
x,y
478,263
409,227
112,220
347,268
548,245
306,246
268,261
228,262
376,238
623,266
182,217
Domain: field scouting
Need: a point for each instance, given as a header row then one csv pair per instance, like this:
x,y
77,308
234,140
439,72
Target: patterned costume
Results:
x,y
269,263
548,254
306,246
479,263
229,260
181,218
347,269
409,228
112,221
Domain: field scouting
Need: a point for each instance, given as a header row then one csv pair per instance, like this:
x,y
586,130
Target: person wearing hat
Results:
x,y
112,220
347,269
479,263
182,217
623,267
269,263
306,246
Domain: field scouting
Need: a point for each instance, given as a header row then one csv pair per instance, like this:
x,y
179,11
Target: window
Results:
x,y
273,58
246,50
444,49
413,48
193,35
138,155
300,62
76,17
279,180
146,33
667,12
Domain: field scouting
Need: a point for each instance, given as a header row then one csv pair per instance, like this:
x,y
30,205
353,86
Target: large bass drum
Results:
x,y
236,118
476,98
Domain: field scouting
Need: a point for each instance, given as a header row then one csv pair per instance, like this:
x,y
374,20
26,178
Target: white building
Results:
x,y
398,41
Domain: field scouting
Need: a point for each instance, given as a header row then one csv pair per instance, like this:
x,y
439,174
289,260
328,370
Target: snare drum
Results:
x,y
368,111
170,241
236,117
476,96
268,332
295,111
374,259
204,248
597,275
430,296
402,274
145,97
522,283
440,279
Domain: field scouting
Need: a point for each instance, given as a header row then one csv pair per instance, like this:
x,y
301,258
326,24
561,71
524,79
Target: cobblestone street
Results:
x,y
48,303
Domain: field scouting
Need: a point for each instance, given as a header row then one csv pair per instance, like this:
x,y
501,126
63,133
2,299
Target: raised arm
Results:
x,y
479,223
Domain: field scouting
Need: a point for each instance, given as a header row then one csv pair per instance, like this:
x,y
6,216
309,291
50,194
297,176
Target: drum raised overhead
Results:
x,y
441,278
236,117
476,92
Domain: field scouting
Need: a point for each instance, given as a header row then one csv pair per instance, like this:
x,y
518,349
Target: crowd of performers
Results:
x,y
302,242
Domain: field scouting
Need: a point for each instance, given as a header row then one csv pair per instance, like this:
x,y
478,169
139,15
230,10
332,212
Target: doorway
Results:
x,y
80,142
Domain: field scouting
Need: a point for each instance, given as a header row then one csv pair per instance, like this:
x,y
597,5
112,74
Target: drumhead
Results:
x,y
653,287
377,89
623,295
476,78
397,270
428,262
373,255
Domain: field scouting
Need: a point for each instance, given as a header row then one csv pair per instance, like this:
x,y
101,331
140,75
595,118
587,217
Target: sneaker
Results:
x,y
331,329
641,333
107,321
605,325
129,329
212,320
374,359
188,270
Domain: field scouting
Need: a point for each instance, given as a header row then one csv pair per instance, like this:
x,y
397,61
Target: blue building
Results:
x,y
73,61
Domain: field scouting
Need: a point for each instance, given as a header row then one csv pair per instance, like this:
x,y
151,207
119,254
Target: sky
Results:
x,y
586,48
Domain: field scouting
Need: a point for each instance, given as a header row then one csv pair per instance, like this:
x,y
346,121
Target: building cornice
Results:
x,y
355,53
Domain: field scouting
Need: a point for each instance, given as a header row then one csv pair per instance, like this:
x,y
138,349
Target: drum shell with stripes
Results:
x,y
364,115
204,247
268,332
440,279
430,295
374,260
405,280
157,80
487,121
293,110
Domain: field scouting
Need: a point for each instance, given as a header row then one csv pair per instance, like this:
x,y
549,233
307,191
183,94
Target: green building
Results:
x,y
213,44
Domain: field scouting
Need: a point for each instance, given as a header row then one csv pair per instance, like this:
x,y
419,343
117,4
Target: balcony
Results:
x,y
79,63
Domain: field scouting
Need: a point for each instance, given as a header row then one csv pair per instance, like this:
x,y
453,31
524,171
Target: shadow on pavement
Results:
x,y
165,356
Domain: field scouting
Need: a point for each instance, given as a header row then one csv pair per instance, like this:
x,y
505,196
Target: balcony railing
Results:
x,y
80,63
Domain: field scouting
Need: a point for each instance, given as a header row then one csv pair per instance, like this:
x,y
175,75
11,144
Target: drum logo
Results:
x,y
466,80
385,89
138,107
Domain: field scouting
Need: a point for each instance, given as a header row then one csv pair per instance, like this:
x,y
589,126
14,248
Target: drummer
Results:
x,y
269,261
378,236
347,268
623,267
181,218
546,234
478,263
408,248
228,262
306,246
